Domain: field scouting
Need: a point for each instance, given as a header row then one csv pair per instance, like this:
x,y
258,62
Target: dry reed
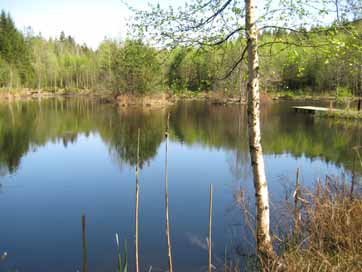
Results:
x,y
84,245
330,231
137,205
210,229
168,238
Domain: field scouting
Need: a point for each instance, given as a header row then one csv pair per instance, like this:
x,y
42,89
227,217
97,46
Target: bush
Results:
x,y
343,92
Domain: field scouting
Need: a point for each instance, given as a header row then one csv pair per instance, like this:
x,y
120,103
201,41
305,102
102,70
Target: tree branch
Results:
x,y
293,44
212,17
235,65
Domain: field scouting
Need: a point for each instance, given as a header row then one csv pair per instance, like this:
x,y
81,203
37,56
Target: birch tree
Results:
x,y
211,23
264,244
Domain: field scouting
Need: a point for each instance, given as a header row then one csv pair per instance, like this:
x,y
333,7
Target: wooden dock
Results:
x,y
313,110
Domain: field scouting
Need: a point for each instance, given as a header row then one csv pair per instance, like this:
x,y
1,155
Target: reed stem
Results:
x,y
84,243
296,201
210,228
169,253
119,258
137,204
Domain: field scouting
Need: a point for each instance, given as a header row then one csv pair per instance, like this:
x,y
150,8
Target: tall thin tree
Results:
x,y
263,239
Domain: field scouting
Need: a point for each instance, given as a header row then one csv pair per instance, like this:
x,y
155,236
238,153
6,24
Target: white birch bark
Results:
x,y
264,245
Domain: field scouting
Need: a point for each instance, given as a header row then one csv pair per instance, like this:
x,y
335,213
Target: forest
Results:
x,y
316,61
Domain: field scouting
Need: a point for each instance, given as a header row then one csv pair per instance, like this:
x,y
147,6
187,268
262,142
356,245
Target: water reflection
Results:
x,y
26,126
62,158
29,125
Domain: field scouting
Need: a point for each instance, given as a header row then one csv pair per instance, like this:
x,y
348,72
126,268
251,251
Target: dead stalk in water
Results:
x,y
353,176
296,201
137,203
210,228
225,258
119,258
169,254
84,241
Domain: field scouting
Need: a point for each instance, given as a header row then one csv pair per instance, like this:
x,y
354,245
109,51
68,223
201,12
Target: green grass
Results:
x,y
299,94
344,114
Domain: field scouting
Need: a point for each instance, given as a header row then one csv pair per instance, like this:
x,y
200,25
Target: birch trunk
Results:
x,y
264,245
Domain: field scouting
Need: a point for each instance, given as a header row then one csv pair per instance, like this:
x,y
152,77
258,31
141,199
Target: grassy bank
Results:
x,y
25,94
317,228
338,97
327,234
299,95
154,98
342,114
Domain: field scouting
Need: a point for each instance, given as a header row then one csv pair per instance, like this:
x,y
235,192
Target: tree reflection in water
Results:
x,y
25,126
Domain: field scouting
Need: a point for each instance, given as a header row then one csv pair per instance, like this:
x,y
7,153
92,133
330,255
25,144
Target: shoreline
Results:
x,y
161,98
156,99
31,94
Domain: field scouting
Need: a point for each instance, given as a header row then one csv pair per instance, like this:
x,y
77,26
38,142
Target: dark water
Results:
x,y
60,159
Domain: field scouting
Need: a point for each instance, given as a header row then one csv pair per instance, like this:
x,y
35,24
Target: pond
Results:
x,y
61,158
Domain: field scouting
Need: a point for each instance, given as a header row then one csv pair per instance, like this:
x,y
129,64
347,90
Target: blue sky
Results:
x,y
88,21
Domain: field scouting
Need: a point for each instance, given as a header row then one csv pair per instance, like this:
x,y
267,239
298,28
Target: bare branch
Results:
x,y
294,44
236,64
221,41
212,17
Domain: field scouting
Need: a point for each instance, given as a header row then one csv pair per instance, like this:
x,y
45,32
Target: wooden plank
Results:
x,y
313,109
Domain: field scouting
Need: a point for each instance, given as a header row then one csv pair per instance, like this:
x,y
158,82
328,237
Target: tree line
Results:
x,y
310,61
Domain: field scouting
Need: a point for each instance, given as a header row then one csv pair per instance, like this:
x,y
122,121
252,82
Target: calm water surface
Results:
x,y
60,159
